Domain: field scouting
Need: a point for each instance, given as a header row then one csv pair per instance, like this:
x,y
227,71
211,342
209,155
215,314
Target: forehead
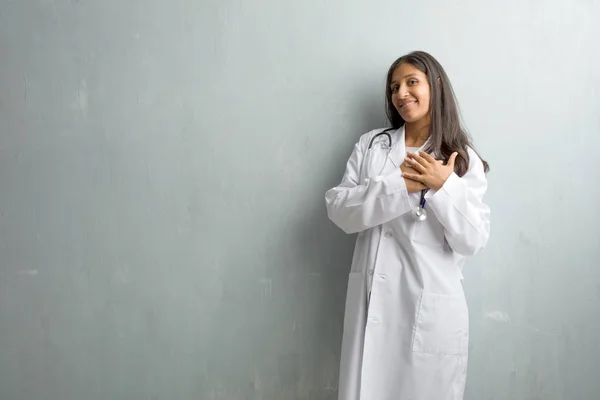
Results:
x,y
406,70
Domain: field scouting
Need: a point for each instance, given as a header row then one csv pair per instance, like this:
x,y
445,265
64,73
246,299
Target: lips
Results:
x,y
403,105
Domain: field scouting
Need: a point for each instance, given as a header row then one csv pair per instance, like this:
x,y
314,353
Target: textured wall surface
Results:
x,y
163,165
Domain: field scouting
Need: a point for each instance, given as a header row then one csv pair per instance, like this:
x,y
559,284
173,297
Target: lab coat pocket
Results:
x,y
442,325
355,301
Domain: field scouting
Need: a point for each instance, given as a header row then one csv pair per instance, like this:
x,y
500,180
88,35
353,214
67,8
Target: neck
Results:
x,y
416,133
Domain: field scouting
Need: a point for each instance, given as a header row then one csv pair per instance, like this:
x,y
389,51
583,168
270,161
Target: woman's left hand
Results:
x,y
431,172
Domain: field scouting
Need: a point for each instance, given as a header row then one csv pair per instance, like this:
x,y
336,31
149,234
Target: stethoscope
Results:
x,y
389,138
418,213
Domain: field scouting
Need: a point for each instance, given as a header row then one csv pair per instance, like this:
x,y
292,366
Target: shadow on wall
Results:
x,y
316,257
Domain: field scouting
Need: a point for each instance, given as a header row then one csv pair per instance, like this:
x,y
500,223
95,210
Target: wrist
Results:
x,y
441,182
437,185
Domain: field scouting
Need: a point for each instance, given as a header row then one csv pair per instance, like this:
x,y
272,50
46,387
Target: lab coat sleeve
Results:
x,y
459,207
355,206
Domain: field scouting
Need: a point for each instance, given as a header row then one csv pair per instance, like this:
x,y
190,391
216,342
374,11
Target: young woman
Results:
x,y
414,194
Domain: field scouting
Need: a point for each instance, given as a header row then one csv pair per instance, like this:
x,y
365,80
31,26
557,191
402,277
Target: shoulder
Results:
x,y
475,164
473,157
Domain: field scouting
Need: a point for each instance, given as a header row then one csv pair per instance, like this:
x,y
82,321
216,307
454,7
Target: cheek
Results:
x,y
424,100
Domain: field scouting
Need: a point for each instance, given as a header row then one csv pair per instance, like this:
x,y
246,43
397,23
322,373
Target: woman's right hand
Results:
x,y
411,186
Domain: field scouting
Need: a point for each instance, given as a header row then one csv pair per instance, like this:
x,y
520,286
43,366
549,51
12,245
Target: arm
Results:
x,y
355,206
459,207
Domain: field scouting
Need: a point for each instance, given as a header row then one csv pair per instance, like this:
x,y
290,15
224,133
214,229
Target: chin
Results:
x,y
410,118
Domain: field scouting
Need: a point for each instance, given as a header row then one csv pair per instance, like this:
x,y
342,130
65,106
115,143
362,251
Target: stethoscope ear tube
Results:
x,y
389,137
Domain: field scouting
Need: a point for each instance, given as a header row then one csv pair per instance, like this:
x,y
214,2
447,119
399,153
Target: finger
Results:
x,y
413,177
406,168
428,157
415,165
452,159
418,158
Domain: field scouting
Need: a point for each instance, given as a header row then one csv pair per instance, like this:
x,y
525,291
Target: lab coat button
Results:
x,y
383,277
388,234
370,272
366,181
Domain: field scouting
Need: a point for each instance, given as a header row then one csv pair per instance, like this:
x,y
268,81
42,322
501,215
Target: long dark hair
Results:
x,y
446,132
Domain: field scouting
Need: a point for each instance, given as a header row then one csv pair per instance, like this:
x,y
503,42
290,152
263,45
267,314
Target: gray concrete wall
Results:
x,y
162,171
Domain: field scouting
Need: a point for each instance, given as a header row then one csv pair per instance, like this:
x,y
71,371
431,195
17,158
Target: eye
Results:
x,y
413,82
395,89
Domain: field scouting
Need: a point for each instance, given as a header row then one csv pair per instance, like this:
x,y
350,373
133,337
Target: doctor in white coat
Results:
x,y
406,323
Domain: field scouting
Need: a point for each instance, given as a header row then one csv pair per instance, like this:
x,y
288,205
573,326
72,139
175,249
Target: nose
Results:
x,y
402,92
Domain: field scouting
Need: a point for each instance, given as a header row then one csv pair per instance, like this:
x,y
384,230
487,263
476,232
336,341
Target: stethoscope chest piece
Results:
x,y
419,214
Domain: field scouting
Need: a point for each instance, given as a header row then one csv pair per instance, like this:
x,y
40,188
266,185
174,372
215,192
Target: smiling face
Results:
x,y
410,93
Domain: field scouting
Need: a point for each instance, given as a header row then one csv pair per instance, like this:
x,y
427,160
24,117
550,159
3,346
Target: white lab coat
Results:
x,y
408,339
